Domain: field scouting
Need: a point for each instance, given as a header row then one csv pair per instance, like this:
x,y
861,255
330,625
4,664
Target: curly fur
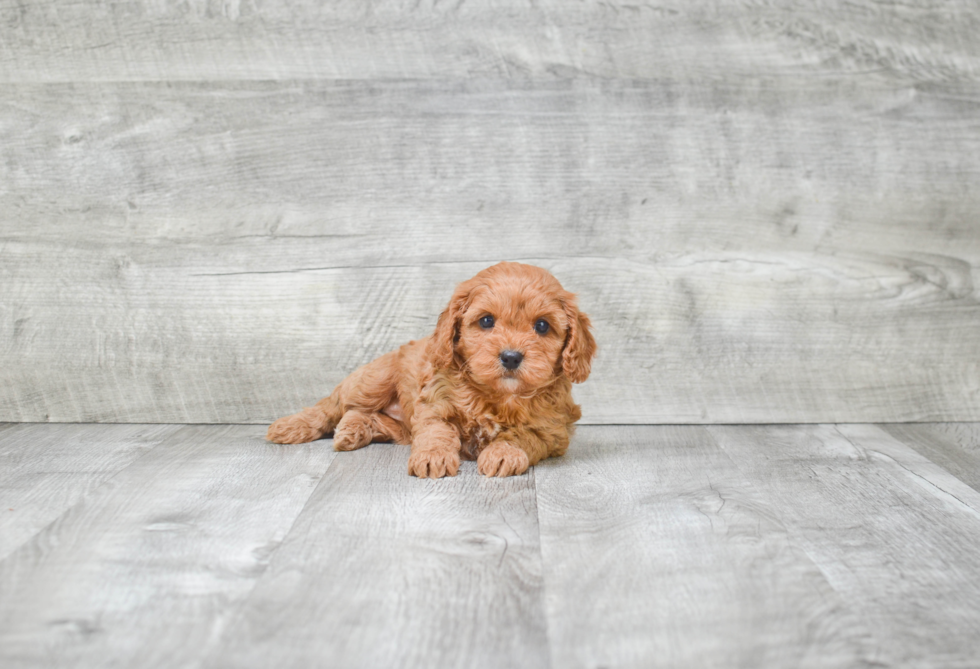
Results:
x,y
449,395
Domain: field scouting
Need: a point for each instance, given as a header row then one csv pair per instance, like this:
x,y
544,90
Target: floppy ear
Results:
x,y
441,346
580,346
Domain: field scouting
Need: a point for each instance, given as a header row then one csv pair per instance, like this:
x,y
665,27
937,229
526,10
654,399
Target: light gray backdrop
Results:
x,y
211,212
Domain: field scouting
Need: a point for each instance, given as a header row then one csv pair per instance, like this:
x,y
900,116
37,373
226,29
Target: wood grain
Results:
x,y
966,436
798,249
657,552
894,534
146,570
45,470
399,39
384,570
953,446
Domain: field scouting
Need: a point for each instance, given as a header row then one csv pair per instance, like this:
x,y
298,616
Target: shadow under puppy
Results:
x,y
492,383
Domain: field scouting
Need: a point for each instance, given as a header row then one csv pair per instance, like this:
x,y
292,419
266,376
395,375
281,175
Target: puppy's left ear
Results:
x,y
580,346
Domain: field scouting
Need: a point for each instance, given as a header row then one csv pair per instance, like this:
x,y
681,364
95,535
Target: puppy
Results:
x,y
492,383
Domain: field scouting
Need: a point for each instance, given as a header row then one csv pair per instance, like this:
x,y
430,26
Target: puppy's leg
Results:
x,y
358,429
369,389
309,424
435,446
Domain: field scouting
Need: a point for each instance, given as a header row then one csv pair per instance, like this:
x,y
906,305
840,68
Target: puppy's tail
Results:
x,y
310,424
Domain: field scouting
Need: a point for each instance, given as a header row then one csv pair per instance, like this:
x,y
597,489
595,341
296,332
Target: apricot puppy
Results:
x,y
492,383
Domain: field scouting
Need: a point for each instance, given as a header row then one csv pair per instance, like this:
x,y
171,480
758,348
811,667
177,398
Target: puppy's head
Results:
x,y
513,328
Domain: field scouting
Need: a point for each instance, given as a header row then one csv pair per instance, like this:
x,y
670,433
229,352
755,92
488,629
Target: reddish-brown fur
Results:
x,y
449,396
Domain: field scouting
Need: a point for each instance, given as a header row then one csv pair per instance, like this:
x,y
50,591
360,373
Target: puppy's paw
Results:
x,y
433,464
352,432
295,429
502,459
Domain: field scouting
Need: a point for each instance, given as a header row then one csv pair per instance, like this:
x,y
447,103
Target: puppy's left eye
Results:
x,y
486,322
541,327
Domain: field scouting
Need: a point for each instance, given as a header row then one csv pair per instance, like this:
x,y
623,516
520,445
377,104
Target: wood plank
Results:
x,y
390,39
631,169
659,553
46,469
953,446
146,570
689,342
964,435
895,534
383,570
799,250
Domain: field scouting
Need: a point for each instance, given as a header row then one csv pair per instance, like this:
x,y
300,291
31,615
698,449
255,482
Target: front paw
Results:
x,y
295,429
502,459
433,464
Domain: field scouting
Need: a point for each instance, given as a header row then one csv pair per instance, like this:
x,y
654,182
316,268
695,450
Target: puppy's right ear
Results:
x,y
443,342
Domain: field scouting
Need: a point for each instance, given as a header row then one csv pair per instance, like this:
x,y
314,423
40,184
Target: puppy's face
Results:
x,y
511,338
514,329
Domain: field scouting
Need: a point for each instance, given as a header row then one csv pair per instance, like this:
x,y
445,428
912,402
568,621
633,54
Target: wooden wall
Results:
x,y
212,211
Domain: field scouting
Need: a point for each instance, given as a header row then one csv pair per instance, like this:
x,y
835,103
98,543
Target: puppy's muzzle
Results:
x,y
511,360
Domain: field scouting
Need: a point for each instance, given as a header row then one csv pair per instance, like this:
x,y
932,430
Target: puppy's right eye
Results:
x,y
486,322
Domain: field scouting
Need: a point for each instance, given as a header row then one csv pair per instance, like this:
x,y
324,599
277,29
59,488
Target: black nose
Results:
x,y
511,359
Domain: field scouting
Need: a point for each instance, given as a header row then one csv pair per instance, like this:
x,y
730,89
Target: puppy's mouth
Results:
x,y
510,382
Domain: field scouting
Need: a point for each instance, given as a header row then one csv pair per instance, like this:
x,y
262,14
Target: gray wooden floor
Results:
x,y
667,546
